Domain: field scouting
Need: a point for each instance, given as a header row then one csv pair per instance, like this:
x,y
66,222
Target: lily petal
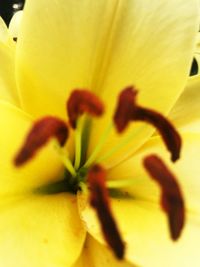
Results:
x,y
186,170
40,231
144,227
57,50
61,49
139,216
8,88
146,51
14,125
186,112
3,31
94,254
14,26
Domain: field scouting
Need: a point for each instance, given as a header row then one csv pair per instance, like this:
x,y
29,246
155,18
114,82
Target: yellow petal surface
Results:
x,y
57,50
186,112
141,221
94,254
146,51
38,230
144,228
3,31
186,170
103,46
14,125
14,25
198,44
8,88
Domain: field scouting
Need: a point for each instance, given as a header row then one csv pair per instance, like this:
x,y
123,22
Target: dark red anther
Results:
x,y
128,110
171,197
99,199
81,101
169,134
41,131
123,113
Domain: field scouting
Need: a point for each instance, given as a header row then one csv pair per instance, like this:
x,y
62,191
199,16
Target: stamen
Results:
x,y
64,156
124,183
99,199
39,135
170,136
128,110
98,146
82,101
125,106
171,197
78,140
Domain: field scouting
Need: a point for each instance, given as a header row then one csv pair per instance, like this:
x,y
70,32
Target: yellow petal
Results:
x,y
147,52
141,221
198,44
3,31
144,228
5,37
8,88
103,46
95,254
186,170
40,231
14,125
57,50
14,25
186,113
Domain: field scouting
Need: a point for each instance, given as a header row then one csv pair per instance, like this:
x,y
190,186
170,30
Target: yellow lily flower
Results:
x,y
106,50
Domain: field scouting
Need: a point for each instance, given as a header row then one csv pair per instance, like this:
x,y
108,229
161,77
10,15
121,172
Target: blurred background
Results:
x,y
9,7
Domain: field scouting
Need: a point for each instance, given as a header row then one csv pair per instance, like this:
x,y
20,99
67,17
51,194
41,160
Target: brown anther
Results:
x,y
171,196
81,101
41,131
99,199
123,113
128,110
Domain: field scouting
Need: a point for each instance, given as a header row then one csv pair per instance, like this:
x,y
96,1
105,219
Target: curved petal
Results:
x,y
186,170
198,44
40,231
148,52
57,51
95,254
14,125
141,221
103,46
8,88
14,25
186,113
3,31
144,228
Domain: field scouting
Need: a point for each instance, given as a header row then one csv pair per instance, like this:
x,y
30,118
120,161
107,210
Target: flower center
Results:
x,y
81,175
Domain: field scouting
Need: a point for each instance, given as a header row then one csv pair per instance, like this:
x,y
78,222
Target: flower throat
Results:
x,y
89,176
